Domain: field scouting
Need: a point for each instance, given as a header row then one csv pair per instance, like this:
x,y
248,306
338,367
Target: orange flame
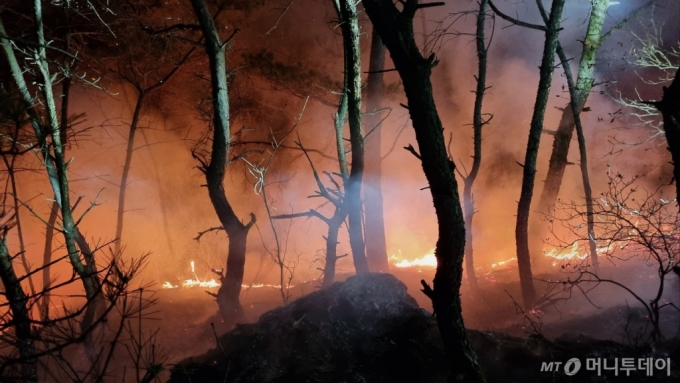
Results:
x,y
212,283
427,261
560,255
503,263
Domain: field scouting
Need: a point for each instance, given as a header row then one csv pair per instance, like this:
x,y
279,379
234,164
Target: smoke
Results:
x,y
167,205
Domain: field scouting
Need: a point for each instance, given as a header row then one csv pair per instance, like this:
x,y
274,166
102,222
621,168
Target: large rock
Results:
x,y
368,329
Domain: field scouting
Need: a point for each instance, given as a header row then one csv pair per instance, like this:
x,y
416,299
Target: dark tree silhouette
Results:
x,y
669,106
229,293
376,245
349,24
396,30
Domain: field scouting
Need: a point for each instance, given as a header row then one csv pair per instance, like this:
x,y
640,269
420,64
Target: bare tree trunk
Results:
x,y
228,295
9,165
86,271
376,245
162,198
349,24
565,130
529,174
141,95
21,319
55,164
332,248
338,200
126,172
477,124
585,177
47,259
396,30
669,106
54,211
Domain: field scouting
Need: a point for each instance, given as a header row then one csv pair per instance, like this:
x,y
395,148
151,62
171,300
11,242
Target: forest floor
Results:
x,y
187,313
370,329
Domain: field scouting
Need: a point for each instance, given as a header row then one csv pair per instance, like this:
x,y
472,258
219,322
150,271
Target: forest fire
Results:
x,y
280,152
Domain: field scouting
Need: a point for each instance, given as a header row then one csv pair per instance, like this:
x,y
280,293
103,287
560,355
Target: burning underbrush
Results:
x,y
592,319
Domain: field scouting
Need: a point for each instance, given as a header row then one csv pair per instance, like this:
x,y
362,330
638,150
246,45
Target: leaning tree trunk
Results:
x,y
529,174
565,130
228,295
376,245
669,106
396,30
477,124
126,172
73,237
54,210
127,165
349,24
21,319
583,156
55,164
163,200
47,260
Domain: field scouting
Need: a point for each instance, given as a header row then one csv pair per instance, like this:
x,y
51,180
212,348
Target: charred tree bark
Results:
x,y
21,319
669,106
565,130
477,124
332,247
529,174
396,30
228,295
349,24
376,245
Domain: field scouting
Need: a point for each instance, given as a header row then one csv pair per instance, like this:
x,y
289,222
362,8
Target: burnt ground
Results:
x,y
576,327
